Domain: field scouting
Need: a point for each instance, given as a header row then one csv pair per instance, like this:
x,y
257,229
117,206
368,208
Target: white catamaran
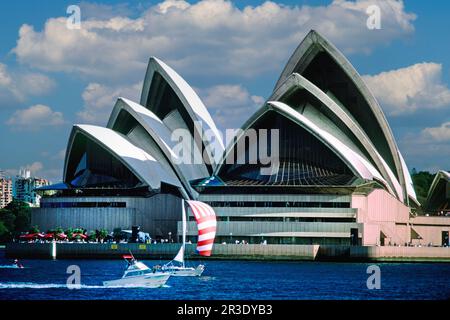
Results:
x,y
206,223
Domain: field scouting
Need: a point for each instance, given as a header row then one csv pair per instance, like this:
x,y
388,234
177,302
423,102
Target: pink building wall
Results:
x,y
380,213
430,229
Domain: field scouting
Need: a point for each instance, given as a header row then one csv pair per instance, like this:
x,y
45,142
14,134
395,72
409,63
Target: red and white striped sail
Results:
x,y
206,224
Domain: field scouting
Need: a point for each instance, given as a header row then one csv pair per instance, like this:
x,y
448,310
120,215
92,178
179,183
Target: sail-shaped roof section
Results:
x,y
438,198
171,99
409,184
122,152
303,161
159,135
334,119
322,64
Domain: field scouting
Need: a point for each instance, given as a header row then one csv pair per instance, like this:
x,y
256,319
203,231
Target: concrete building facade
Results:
x,y
25,188
6,191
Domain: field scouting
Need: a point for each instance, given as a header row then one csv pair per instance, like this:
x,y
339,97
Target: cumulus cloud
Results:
x,y
37,169
34,168
229,105
208,35
439,134
18,86
407,90
35,117
100,99
428,149
5,78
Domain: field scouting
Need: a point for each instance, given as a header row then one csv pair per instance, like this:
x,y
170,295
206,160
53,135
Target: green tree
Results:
x,y
4,232
17,206
34,229
22,221
68,232
16,217
8,218
103,234
21,212
92,236
117,234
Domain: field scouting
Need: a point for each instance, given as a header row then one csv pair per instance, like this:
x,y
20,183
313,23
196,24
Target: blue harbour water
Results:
x,y
253,280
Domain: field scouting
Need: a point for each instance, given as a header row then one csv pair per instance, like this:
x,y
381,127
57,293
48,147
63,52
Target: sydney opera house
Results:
x,y
339,177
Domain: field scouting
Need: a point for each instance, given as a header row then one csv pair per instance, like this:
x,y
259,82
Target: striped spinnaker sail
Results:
x,y
206,224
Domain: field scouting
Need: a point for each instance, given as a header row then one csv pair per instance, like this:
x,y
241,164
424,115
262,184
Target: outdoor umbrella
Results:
x,y
61,236
79,235
31,236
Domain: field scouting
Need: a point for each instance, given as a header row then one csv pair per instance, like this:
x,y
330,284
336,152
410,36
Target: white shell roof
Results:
x,y
440,175
162,137
358,164
142,164
303,54
296,80
409,183
192,103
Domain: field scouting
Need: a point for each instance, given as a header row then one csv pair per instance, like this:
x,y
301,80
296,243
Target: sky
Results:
x,y
231,53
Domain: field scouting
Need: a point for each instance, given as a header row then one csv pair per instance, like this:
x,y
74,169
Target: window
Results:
x,y
83,204
279,204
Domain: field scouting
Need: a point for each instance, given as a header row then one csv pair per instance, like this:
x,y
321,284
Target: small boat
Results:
x,y
16,265
137,274
206,222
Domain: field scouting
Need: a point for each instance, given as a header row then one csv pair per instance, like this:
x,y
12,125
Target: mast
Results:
x,y
184,227
180,255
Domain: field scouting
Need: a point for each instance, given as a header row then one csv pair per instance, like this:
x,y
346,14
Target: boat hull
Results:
x,y
155,280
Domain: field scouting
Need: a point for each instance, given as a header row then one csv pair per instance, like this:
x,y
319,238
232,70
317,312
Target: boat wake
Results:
x,y
10,267
31,285
206,278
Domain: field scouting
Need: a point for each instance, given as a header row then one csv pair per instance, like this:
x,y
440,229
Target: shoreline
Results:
x,y
250,252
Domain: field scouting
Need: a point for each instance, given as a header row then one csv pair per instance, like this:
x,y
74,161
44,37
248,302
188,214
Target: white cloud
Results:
x,y
18,86
100,99
230,105
5,79
428,149
209,37
37,169
35,84
407,90
439,134
35,117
